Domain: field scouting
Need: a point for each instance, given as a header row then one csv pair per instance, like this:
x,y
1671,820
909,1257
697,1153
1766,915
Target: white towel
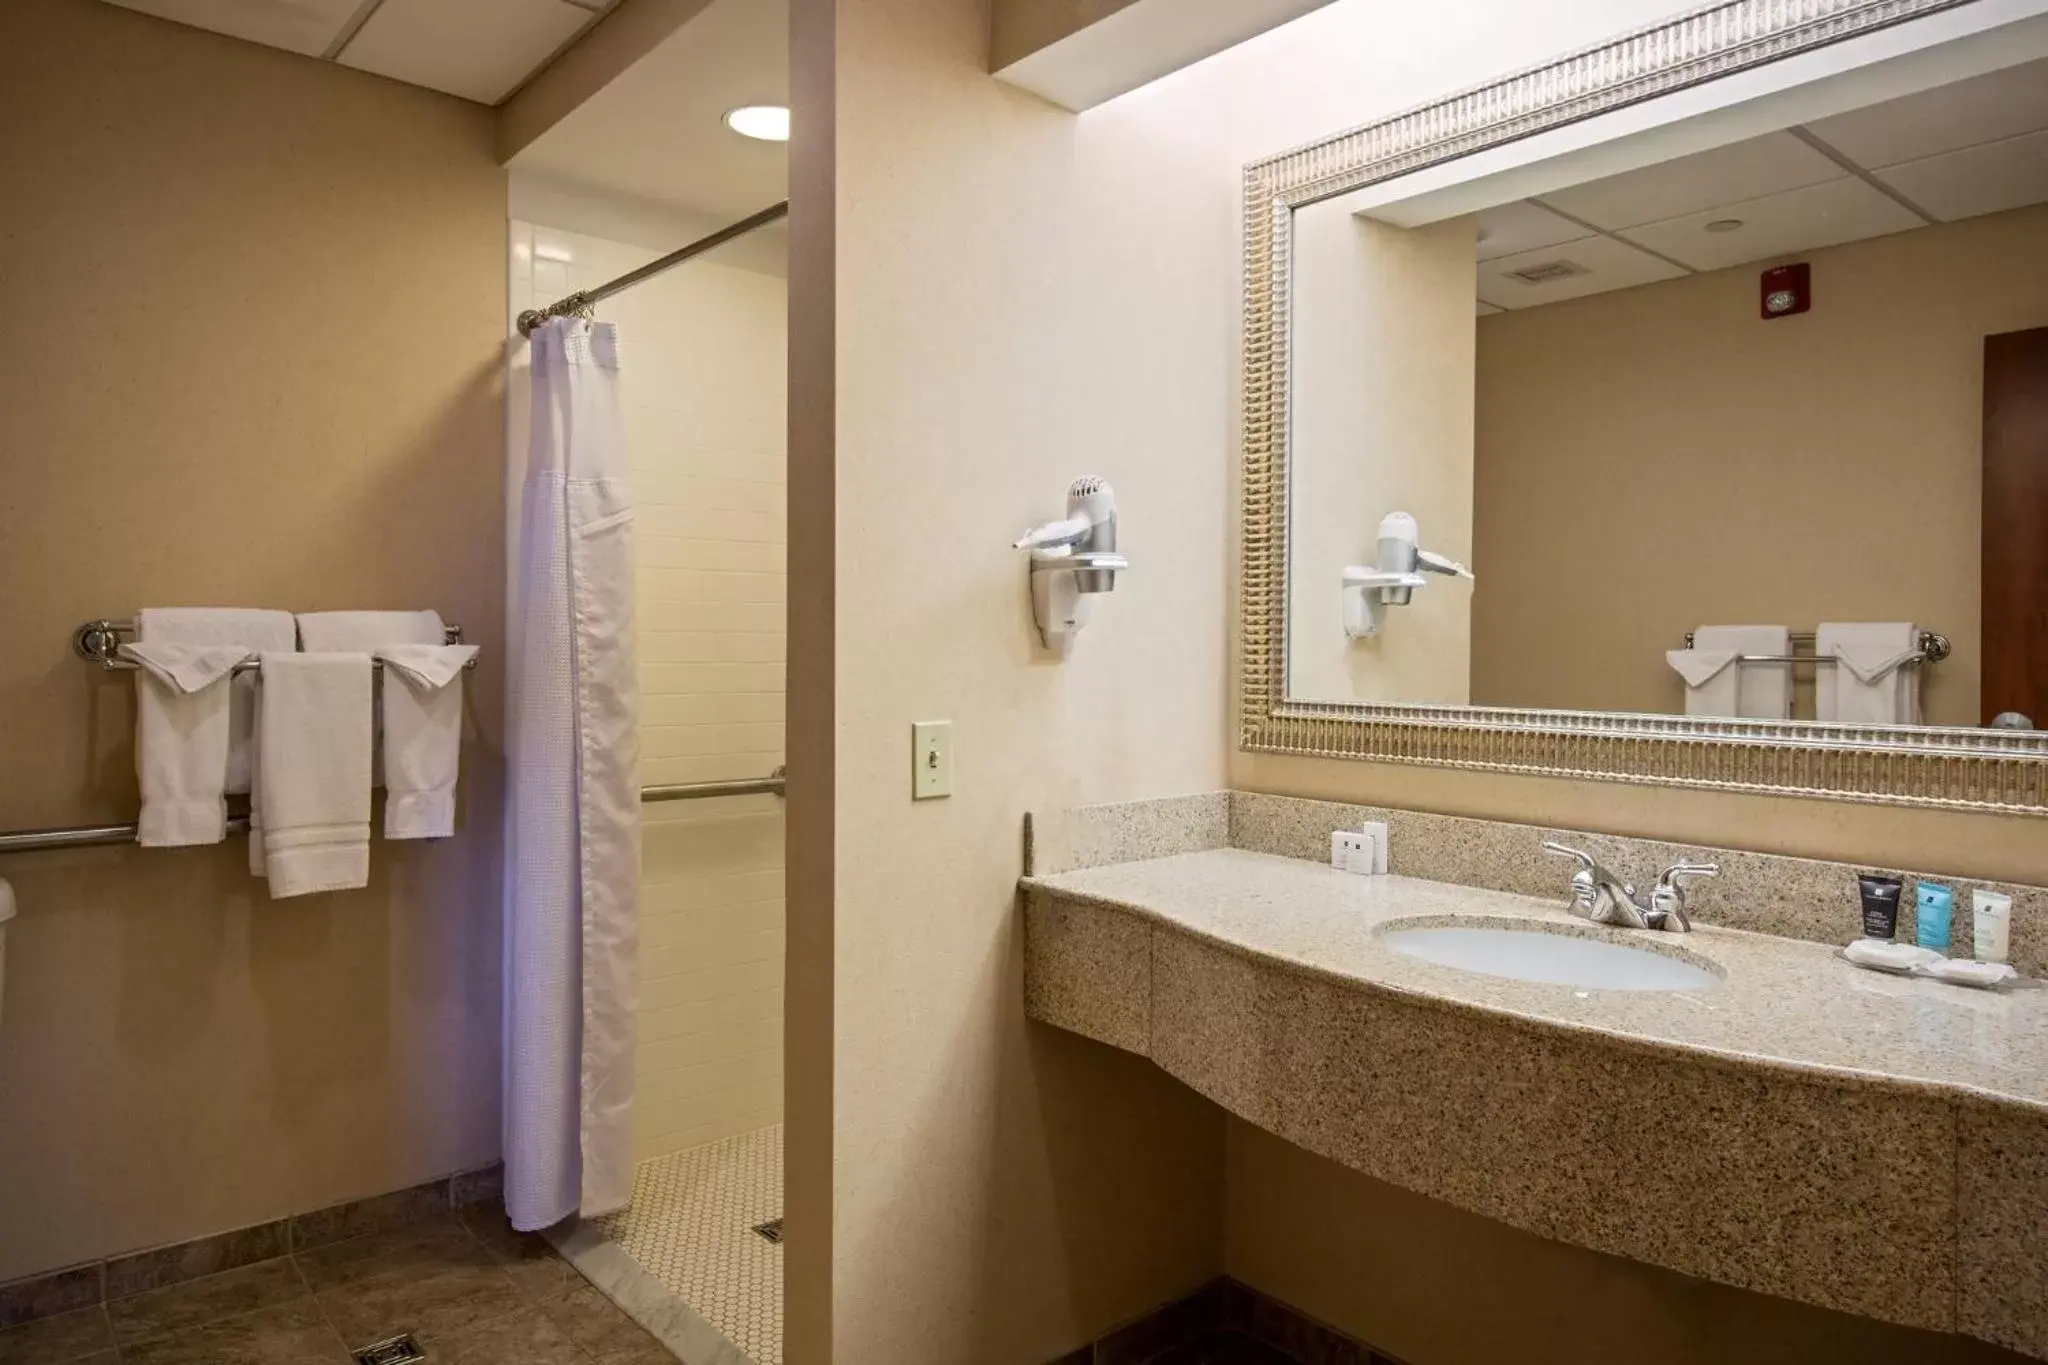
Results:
x,y
1718,683
351,632
366,632
422,738
1873,680
255,630
315,784
182,727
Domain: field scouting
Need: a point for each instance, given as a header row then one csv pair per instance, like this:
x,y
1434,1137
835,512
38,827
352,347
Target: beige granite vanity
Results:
x,y
1799,1127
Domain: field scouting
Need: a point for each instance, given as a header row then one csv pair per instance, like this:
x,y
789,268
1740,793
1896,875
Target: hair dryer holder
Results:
x,y
1063,583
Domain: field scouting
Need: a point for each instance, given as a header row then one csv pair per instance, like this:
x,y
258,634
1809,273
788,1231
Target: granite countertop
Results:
x,y
1780,1002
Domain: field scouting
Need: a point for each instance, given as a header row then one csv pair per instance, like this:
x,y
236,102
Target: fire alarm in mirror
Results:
x,y
1787,289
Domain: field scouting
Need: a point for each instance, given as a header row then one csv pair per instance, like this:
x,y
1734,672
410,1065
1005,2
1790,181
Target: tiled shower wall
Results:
x,y
703,379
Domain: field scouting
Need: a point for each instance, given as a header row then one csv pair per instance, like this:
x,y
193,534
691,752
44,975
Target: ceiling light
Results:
x,y
765,122
1724,225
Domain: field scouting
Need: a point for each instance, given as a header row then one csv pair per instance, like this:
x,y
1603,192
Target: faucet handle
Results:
x,y
1586,860
1670,876
1585,893
1667,899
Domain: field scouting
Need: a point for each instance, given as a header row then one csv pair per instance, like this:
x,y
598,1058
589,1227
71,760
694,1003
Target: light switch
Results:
x,y
931,759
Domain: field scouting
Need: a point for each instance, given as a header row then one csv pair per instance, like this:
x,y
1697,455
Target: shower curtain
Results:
x,y
573,822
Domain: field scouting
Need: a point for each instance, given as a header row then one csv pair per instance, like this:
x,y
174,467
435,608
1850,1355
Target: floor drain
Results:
x,y
398,1350
772,1230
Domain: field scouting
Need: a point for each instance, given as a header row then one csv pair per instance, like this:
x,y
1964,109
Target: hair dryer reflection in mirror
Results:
x,y
1391,582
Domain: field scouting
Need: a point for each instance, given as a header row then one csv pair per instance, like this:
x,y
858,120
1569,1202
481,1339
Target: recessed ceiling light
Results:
x,y
1724,225
765,122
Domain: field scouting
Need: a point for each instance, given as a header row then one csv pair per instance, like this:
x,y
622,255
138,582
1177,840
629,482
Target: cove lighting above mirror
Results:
x,y
1725,531
762,122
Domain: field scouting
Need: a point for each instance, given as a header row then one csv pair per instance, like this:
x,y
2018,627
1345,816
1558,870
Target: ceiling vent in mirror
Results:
x,y
1548,271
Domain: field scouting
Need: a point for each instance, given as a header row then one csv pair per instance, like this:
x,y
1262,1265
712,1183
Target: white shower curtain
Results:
x,y
571,924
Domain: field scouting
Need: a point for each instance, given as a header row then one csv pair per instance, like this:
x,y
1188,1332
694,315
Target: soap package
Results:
x,y
1906,959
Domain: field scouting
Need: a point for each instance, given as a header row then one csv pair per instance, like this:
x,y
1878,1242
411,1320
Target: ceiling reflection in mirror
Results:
x,y
1714,435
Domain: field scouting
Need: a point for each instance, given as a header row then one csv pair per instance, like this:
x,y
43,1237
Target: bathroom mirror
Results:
x,y
1669,413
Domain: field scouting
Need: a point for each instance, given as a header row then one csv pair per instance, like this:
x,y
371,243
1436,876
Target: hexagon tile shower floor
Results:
x,y
693,1226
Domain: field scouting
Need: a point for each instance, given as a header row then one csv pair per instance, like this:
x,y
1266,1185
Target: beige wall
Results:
x,y
1001,1193
1381,364
1660,457
704,401
988,297
252,353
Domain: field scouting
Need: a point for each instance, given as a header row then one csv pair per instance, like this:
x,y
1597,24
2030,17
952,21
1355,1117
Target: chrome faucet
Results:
x,y
1604,898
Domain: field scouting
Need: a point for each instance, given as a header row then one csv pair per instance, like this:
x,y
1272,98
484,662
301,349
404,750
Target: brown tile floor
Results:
x,y
471,1290
1224,1348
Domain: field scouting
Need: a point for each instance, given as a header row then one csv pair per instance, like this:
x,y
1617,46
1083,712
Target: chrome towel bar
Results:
x,y
1934,648
99,642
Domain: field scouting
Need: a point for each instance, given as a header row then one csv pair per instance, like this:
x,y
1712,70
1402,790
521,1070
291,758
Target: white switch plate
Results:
x,y
931,759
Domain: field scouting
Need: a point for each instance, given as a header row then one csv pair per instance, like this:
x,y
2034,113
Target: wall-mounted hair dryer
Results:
x,y
1392,581
1071,560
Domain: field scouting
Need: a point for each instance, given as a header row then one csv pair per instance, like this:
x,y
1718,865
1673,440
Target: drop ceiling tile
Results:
x,y
1983,109
1741,170
1806,219
478,49
1521,226
1482,308
305,26
1603,263
1982,179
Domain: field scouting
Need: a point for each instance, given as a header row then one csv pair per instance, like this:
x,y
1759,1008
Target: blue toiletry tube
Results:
x,y
1937,906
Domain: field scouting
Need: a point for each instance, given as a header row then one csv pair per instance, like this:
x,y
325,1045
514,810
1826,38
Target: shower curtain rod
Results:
x,y
586,298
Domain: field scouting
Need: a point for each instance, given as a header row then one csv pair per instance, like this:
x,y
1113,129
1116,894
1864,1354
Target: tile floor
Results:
x,y
471,1290
1224,1348
691,1225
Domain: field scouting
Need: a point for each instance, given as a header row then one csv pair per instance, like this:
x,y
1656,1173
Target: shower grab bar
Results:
x,y
89,836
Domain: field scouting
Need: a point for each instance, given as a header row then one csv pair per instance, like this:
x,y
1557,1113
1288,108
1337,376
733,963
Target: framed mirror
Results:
x,y
1675,412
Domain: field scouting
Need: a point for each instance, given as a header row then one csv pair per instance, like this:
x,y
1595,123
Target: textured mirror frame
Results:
x,y
1995,770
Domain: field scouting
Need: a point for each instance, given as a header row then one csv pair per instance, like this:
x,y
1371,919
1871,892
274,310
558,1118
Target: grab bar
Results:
x,y
89,836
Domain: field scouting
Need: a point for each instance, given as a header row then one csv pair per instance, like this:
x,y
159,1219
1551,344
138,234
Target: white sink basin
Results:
x,y
1531,950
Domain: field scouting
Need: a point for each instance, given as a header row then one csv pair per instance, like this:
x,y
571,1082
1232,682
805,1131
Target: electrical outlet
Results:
x,y
931,759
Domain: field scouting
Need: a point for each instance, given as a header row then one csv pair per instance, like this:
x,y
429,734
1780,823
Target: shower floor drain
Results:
x,y
772,1230
398,1350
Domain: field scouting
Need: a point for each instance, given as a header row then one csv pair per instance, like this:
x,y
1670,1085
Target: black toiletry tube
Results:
x,y
1880,905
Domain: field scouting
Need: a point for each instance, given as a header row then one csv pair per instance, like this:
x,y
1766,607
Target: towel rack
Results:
x,y
99,642
1933,649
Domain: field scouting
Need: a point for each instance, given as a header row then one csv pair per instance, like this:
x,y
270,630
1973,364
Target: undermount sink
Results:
x,y
1560,955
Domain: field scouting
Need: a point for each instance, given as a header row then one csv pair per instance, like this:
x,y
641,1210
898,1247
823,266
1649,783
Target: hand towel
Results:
x,y
1873,680
350,632
315,783
182,728
1710,679
252,629
366,632
422,738
1718,683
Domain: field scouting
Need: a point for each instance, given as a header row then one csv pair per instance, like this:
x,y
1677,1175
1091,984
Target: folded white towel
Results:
x,y
366,632
253,629
349,632
315,786
422,738
182,726
1718,683
1873,680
